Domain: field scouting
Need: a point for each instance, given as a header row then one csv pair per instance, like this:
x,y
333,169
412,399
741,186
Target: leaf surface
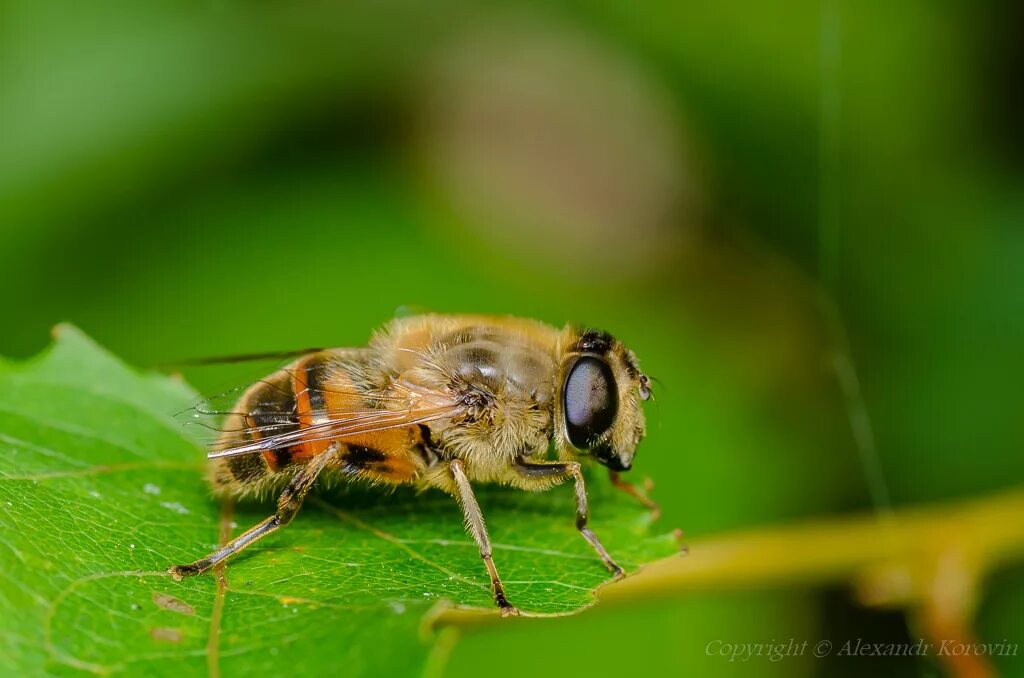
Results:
x,y
101,491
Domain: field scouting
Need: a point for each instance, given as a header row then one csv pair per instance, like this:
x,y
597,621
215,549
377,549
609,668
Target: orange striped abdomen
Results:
x,y
313,390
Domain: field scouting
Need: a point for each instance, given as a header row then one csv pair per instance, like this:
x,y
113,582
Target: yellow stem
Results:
x,y
928,560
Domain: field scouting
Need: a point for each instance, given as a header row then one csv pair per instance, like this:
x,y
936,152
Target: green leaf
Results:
x,y
101,492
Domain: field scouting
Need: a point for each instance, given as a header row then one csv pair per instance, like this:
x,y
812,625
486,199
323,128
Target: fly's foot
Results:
x,y
507,608
179,572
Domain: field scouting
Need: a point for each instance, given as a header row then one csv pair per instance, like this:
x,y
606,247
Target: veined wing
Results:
x,y
349,425
305,403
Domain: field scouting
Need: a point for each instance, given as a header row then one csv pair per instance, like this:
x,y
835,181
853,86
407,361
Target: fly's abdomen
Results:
x,y
307,396
267,409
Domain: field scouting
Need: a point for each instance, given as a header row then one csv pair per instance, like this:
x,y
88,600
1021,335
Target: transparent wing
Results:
x,y
238,358
339,429
269,417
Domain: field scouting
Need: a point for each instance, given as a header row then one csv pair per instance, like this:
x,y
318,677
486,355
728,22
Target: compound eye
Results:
x,y
590,400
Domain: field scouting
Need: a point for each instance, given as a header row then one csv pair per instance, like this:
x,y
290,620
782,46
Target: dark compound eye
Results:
x,y
590,400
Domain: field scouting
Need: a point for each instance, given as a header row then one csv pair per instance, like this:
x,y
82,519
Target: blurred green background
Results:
x,y
711,183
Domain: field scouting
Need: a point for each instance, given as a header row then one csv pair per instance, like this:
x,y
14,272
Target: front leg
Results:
x,y
635,492
541,475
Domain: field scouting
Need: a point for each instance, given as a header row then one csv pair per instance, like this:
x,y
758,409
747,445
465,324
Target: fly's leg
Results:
x,y
475,526
288,505
635,492
543,475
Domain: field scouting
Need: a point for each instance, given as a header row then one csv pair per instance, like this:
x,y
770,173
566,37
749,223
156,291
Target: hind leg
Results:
x,y
288,505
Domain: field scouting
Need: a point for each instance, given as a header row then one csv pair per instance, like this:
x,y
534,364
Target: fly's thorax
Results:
x,y
405,342
509,370
505,379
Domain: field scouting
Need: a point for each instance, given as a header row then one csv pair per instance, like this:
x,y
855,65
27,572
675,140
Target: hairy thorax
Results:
x,y
505,377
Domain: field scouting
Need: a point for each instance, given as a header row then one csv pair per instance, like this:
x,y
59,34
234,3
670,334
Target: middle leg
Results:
x,y
476,527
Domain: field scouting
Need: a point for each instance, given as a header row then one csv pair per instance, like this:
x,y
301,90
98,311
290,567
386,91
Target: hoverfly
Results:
x,y
435,401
